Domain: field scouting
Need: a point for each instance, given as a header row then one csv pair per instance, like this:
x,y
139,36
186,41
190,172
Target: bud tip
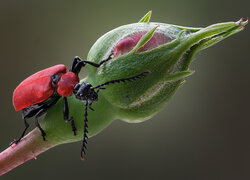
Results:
x,y
242,22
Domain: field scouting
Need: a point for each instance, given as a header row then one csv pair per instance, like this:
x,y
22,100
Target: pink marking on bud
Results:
x,y
239,22
128,43
243,26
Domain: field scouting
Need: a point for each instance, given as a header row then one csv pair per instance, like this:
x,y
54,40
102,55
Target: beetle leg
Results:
x,y
85,136
39,126
66,115
78,63
75,61
100,63
77,68
90,106
43,111
26,127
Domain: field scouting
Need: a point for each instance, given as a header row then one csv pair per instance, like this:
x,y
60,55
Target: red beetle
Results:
x,y
39,92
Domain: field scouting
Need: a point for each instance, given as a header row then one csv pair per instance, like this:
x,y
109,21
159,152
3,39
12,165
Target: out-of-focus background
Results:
x,y
202,134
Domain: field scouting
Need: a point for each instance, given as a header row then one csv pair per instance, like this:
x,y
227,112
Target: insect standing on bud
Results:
x,y
41,91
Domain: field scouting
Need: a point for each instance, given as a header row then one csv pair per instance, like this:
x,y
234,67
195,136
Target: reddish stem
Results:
x,y
28,148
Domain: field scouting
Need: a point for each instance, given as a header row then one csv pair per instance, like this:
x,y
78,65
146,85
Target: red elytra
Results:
x,y
38,87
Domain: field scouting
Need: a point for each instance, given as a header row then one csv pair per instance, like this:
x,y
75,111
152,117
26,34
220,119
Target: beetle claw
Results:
x,y
13,142
43,135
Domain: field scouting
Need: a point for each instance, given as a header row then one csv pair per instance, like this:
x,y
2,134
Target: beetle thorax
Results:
x,y
66,84
85,92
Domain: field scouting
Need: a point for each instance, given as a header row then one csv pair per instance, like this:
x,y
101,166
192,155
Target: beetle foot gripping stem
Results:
x,y
22,135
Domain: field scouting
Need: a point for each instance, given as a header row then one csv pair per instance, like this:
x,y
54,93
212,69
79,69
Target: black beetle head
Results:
x,y
85,92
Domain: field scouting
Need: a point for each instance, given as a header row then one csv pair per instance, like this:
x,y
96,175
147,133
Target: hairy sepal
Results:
x,y
141,99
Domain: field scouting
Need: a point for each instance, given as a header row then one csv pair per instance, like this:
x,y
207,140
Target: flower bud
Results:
x,y
165,50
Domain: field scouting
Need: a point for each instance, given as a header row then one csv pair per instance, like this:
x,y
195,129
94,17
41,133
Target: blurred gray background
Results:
x,y
202,134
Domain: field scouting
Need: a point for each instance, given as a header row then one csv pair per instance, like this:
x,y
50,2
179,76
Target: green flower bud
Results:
x,y
163,49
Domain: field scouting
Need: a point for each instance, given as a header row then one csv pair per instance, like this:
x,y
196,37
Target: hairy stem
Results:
x,y
28,148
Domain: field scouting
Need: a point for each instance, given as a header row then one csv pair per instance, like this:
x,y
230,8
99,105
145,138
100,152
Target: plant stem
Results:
x,y
28,148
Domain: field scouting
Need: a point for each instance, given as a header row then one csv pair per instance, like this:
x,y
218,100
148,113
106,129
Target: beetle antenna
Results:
x,y
132,78
85,136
